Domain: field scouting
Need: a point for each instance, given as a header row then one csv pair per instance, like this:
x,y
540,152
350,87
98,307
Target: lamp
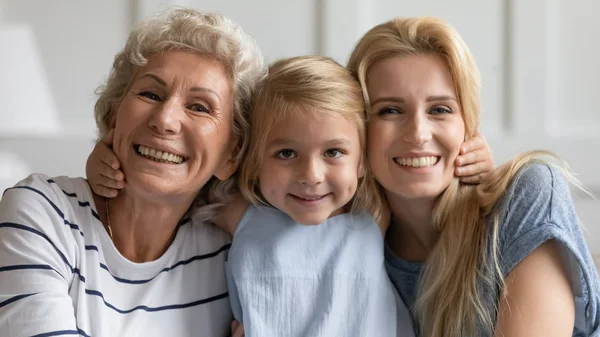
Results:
x,y
26,106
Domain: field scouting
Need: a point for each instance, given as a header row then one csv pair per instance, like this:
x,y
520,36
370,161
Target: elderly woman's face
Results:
x,y
173,129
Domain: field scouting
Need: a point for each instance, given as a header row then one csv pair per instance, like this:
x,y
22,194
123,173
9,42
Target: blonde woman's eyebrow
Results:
x,y
388,99
441,98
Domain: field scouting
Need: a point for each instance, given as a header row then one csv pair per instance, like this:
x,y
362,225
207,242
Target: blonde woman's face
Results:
x,y
311,166
173,129
415,127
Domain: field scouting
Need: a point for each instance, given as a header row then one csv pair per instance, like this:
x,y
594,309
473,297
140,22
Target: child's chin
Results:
x,y
310,221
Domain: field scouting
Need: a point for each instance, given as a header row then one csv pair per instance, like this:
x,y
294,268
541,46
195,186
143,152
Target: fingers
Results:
x,y
108,172
476,179
475,151
475,143
109,182
471,157
107,156
468,170
474,173
104,191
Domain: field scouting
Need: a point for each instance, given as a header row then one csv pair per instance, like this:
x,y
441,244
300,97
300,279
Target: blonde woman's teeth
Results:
x,y
159,156
417,161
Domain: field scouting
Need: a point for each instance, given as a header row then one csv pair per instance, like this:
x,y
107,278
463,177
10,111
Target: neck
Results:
x,y
412,235
142,229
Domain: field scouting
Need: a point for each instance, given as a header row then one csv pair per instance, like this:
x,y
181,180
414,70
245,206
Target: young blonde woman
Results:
x,y
504,258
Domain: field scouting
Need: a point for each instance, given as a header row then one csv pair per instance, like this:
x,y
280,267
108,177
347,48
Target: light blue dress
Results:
x,y
288,279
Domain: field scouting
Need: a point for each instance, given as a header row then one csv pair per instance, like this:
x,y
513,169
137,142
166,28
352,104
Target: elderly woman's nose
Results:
x,y
166,118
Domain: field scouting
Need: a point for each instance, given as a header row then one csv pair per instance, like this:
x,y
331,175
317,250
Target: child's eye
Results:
x,y
333,153
150,95
438,110
286,154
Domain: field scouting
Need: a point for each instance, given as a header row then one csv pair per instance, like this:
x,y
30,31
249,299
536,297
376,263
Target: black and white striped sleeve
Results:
x,y
37,262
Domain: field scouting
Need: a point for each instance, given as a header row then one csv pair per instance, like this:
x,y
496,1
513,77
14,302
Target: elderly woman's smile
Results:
x,y
161,156
173,127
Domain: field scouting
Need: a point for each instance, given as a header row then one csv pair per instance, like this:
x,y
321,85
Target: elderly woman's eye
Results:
x,y
199,108
150,95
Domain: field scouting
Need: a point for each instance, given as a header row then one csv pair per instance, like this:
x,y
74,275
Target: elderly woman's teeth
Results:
x,y
157,155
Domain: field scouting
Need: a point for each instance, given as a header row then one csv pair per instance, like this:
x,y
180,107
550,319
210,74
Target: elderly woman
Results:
x,y
73,263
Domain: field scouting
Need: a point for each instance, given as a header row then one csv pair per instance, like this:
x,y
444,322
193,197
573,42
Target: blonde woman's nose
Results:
x,y
418,130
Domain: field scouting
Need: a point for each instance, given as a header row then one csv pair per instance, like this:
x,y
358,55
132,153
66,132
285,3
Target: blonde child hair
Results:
x,y
449,300
306,85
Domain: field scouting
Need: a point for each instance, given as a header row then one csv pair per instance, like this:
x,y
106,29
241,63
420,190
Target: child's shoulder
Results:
x,y
261,214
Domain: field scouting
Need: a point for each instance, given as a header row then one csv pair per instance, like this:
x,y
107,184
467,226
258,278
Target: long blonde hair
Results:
x,y
306,85
449,300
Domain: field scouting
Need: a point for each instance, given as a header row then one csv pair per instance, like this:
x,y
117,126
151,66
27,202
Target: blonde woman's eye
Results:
x,y
440,110
286,154
333,153
389,111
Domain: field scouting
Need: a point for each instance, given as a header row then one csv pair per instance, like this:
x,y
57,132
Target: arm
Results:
x,y
539,300
35,265
230,215
544,258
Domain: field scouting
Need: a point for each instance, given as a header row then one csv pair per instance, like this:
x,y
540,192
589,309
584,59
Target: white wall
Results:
x,y
537,57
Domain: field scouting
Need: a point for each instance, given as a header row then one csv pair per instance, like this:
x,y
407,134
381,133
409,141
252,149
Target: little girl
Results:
x,y
307,251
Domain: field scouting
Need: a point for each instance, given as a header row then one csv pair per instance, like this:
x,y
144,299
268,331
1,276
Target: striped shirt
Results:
x,y
60,273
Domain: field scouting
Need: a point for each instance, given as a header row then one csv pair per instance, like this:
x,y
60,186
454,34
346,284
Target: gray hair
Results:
x,y
209,34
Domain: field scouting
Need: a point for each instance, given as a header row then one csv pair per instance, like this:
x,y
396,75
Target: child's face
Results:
x,y
311,166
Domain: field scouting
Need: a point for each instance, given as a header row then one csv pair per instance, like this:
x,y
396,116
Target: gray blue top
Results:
x,y
537,207
288,279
